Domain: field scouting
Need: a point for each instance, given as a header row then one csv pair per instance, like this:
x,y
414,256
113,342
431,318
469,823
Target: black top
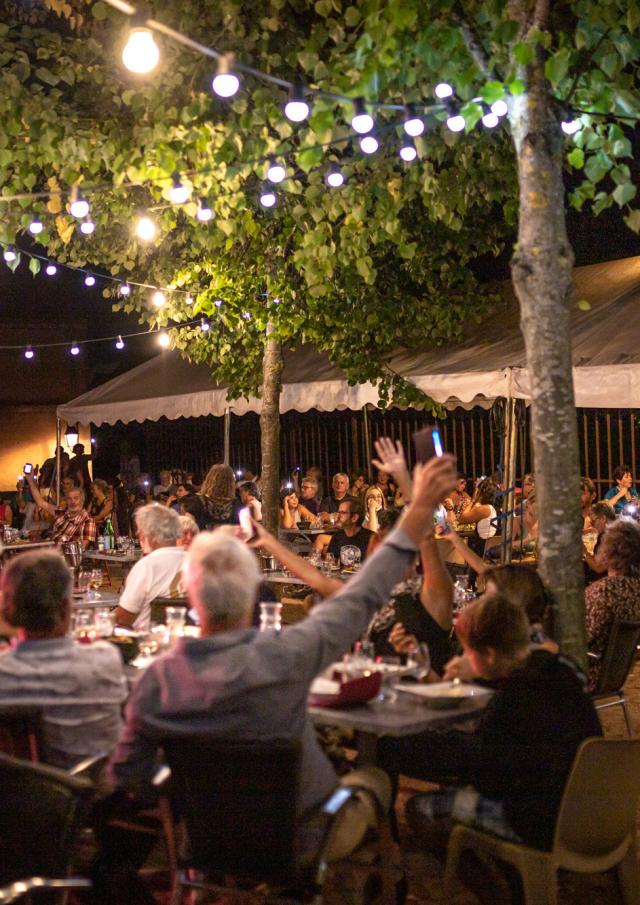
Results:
x,y
312,505
360,540
330,504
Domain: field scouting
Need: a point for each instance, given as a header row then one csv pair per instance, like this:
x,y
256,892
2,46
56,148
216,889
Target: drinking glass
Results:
x,y
81,581
350,556
82,626
333,518
175,618
270,617
103,621
95,581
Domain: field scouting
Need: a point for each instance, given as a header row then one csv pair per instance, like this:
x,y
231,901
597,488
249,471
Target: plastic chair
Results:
x,y
42,812
616,663
238,803
595,830
21,732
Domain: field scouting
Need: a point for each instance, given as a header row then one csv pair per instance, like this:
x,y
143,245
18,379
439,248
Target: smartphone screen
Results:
x,y
246,524
28,468
428,443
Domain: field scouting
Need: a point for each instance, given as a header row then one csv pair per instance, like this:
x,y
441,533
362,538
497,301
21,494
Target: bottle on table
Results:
x,y
109,536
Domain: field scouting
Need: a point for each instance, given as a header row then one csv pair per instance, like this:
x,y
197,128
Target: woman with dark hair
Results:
x,y
617,595
624,493
101,505
482,513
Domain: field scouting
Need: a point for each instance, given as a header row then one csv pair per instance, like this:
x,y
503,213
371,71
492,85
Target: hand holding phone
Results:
x,y
428,443
247,527
27,468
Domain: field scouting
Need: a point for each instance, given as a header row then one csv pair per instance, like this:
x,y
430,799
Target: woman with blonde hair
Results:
x,y
218,493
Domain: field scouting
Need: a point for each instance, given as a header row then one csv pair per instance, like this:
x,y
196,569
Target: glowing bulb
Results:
x,y
179,193
51,269
500,108
87,227
443,90
369,144
335,179
490,120
276,172
408,152
159,299
140,53
204,212
164,340
125,289
119,343
218,303
79,207
456,122
28,352
296,109
413,126
10,254
570,127
188,300
205,325
267,199
361,122
246,315
89,280
146,229
225,84
36,227
75,349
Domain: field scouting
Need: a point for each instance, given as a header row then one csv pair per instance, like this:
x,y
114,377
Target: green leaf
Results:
x,y
597,167
46,76
492,91
523,53
584,305
622,148
352,16
624,193
99,10
13,265
556,66
34,266
516,87
323,8
632,220
310,158
576,158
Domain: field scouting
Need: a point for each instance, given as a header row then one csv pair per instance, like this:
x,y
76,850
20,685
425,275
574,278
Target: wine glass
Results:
x,y
95,581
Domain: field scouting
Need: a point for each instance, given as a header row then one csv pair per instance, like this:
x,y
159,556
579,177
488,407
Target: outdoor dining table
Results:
x,y
99,556
106,599
308,534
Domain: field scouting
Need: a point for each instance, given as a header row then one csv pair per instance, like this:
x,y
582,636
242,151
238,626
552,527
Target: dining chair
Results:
x,y
595,830
159,605
21,732
617,661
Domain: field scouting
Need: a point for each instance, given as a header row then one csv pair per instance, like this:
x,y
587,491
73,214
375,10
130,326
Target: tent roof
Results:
x,y
489,362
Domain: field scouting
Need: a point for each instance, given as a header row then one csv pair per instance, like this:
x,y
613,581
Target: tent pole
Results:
x,y
367,440
227,434
510,473
58,460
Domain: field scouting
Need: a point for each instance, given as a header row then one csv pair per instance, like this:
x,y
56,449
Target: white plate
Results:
x,y
444,695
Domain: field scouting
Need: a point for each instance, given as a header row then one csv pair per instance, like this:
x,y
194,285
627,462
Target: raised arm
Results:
x,y
38,499
298,566
472,559
392,461
436,592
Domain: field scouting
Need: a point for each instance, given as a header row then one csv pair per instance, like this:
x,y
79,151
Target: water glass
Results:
x,y
82,626
270,617
81,580
103,621
175,618
350,556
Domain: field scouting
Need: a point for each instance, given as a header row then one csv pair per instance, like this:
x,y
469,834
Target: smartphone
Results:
x,y
248,530
27,468
428,443
440,518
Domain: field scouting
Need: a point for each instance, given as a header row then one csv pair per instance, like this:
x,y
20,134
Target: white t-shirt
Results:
x,y
484,527
155,575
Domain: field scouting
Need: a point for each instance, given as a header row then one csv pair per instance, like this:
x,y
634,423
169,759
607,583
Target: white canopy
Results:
x,y
488,364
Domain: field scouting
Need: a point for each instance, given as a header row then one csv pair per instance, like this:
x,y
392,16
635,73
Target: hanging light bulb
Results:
x,y
335,178
87,226
204,212
79,206
159,299
275,172
29,353
408,151
225,84
489,118
146,229
125,289
369,144
179,193
296,109
455,121
443,90
413,125
119,343
205,326
570,126
75,348
51,269
89,280
218,303
267,198
246,315
10,254
189,300
164,340
141,53
361,121
36,227
500,108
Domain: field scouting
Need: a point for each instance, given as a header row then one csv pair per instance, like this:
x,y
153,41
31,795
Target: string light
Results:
x,y
119,342
87,226
369,144
489,118
141,53
159,299
267,198
413,125
335,178
75,348
188,300
164,340
10,254
361,122
246,315
455,121
205,326
443,90
570,126
408,151
146,229
89,280
500,108
225,84
79,206
296,109
204,212
51,269
179,193
29,353
125,289
218,303
276,172
36,227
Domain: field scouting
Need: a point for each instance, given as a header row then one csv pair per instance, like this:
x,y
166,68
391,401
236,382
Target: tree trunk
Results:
x,y
272,366
541,269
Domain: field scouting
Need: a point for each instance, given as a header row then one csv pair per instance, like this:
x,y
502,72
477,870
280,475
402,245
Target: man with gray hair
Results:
x,y
71,524
339,492
158,573
236,683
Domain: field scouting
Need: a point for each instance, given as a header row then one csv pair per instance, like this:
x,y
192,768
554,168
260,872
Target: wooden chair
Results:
x,y
595,830
21,732
159,605
616,663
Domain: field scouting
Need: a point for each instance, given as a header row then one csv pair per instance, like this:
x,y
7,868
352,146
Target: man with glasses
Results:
x,y
309,495
351,532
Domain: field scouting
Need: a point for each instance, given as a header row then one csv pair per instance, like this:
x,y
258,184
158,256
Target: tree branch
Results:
x,y
473,43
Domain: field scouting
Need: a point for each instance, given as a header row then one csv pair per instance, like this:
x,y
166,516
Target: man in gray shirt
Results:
x,y
80,688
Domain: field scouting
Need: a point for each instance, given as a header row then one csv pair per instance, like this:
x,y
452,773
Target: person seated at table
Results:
x,y
159,572
218,494
587,499
236,683
481,512
314,473
80,688
72,523
617,595
518,759
165,484
350,533
309,495
374,505
101,506
250,499
188,530
601,515
292,510
386,486
623,494
340,492
459,499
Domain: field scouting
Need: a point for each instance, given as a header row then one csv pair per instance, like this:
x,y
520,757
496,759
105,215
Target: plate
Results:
x,y
328,693
444,695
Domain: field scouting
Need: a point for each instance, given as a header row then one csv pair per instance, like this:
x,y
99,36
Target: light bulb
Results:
x,y
570,127
296,109
361,122
188,300
146,229
369,144
140,53
10,254
500,108
159,299
125,289
179,193
413,125
276,172
408,152
204,212
456,122
87,227
36,227
246,315
335,179
218,303
51,269
164,340
79,207
119,343
89,280
28,352
490,120
267,198
225,84
204,325
75,349
443,90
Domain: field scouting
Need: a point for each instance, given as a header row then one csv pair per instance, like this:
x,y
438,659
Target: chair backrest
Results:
x,y
21,732
238,800
41,812
618,656
599,804
159,605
